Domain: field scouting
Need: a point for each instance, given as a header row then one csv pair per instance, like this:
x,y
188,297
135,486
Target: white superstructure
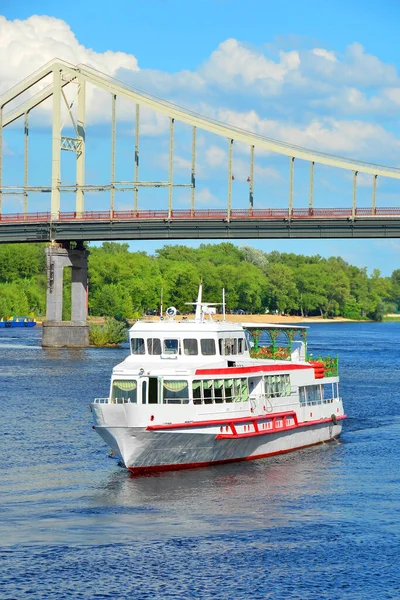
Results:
x,y
190,394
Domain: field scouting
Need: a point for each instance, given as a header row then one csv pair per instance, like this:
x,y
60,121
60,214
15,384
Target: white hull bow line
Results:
x,y
201,392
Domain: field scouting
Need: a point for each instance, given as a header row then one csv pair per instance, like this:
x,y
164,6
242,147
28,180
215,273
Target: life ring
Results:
x,y
171,312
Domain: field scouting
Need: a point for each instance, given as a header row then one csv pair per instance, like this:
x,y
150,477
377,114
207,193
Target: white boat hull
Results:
x,y
142,451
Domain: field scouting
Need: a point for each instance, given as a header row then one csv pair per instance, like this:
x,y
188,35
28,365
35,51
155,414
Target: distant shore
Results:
x,y
283,319
264,318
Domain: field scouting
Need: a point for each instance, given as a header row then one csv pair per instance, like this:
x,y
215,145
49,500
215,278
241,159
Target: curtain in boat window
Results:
x,y
228,390
125,385
244,390
175,392
196,392
237,390
123,392
207,384
174,386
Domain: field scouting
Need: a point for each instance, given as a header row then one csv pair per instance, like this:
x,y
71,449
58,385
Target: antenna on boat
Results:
x,y
161,303
197,316
223,304
203,308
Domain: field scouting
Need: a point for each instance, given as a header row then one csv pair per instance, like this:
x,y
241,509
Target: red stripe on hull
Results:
x,y
227,421
239,420
137,471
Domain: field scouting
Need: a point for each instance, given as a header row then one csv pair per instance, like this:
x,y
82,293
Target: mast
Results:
x,y
198,303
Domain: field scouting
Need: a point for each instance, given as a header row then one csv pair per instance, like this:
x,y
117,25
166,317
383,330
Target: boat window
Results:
x,y
190,347
302,396
329,392
244,390
218,391
241,346
228,388
208,390
277,386
313,395
196,388
124,392
154,346
175,391
137,346
170,347
229,346
208,347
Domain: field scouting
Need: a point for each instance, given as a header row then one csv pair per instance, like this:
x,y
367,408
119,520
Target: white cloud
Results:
x,y
325,54
25,46
300,97
215,156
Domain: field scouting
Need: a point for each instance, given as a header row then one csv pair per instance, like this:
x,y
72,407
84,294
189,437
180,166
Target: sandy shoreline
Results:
x,y
283,320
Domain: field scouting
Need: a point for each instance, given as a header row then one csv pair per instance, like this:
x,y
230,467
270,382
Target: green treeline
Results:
x,y
126,284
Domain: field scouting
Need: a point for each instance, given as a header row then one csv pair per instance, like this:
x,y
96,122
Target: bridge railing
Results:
x,y
202,214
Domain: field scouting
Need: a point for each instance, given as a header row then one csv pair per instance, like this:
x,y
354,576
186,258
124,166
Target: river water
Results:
x,y
320,523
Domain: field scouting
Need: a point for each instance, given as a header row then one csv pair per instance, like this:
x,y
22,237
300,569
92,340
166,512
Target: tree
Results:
x,y
281,291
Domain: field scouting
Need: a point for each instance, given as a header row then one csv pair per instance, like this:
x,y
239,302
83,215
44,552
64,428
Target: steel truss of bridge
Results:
x,y
55,78
201,224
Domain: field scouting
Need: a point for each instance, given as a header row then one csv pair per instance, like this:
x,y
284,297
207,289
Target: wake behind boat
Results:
x,y
200,392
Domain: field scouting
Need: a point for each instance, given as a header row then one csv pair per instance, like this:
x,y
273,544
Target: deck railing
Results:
x,y
203,214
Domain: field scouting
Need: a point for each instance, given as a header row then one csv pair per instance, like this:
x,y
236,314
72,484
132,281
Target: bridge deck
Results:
x,y
201,224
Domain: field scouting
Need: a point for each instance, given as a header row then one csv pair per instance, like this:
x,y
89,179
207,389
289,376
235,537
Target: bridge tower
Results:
x,y
74,332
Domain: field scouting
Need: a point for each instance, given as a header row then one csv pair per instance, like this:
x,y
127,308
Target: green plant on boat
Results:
x,y
331,364
277,353
112,333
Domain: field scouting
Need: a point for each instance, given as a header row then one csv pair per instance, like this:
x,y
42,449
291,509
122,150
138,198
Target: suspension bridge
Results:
x,y
250,220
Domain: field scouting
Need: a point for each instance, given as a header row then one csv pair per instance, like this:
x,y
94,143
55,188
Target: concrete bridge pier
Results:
x,y
56,332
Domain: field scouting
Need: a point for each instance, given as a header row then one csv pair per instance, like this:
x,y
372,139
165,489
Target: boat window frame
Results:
x,y
214,353
165,351
174,400
142,345
124,399
184,346
152,342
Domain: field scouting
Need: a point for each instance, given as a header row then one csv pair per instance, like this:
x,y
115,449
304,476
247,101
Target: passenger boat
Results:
x,y
17,322
203,391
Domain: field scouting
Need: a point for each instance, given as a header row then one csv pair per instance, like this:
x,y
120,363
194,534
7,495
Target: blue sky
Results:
x,y
319,74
